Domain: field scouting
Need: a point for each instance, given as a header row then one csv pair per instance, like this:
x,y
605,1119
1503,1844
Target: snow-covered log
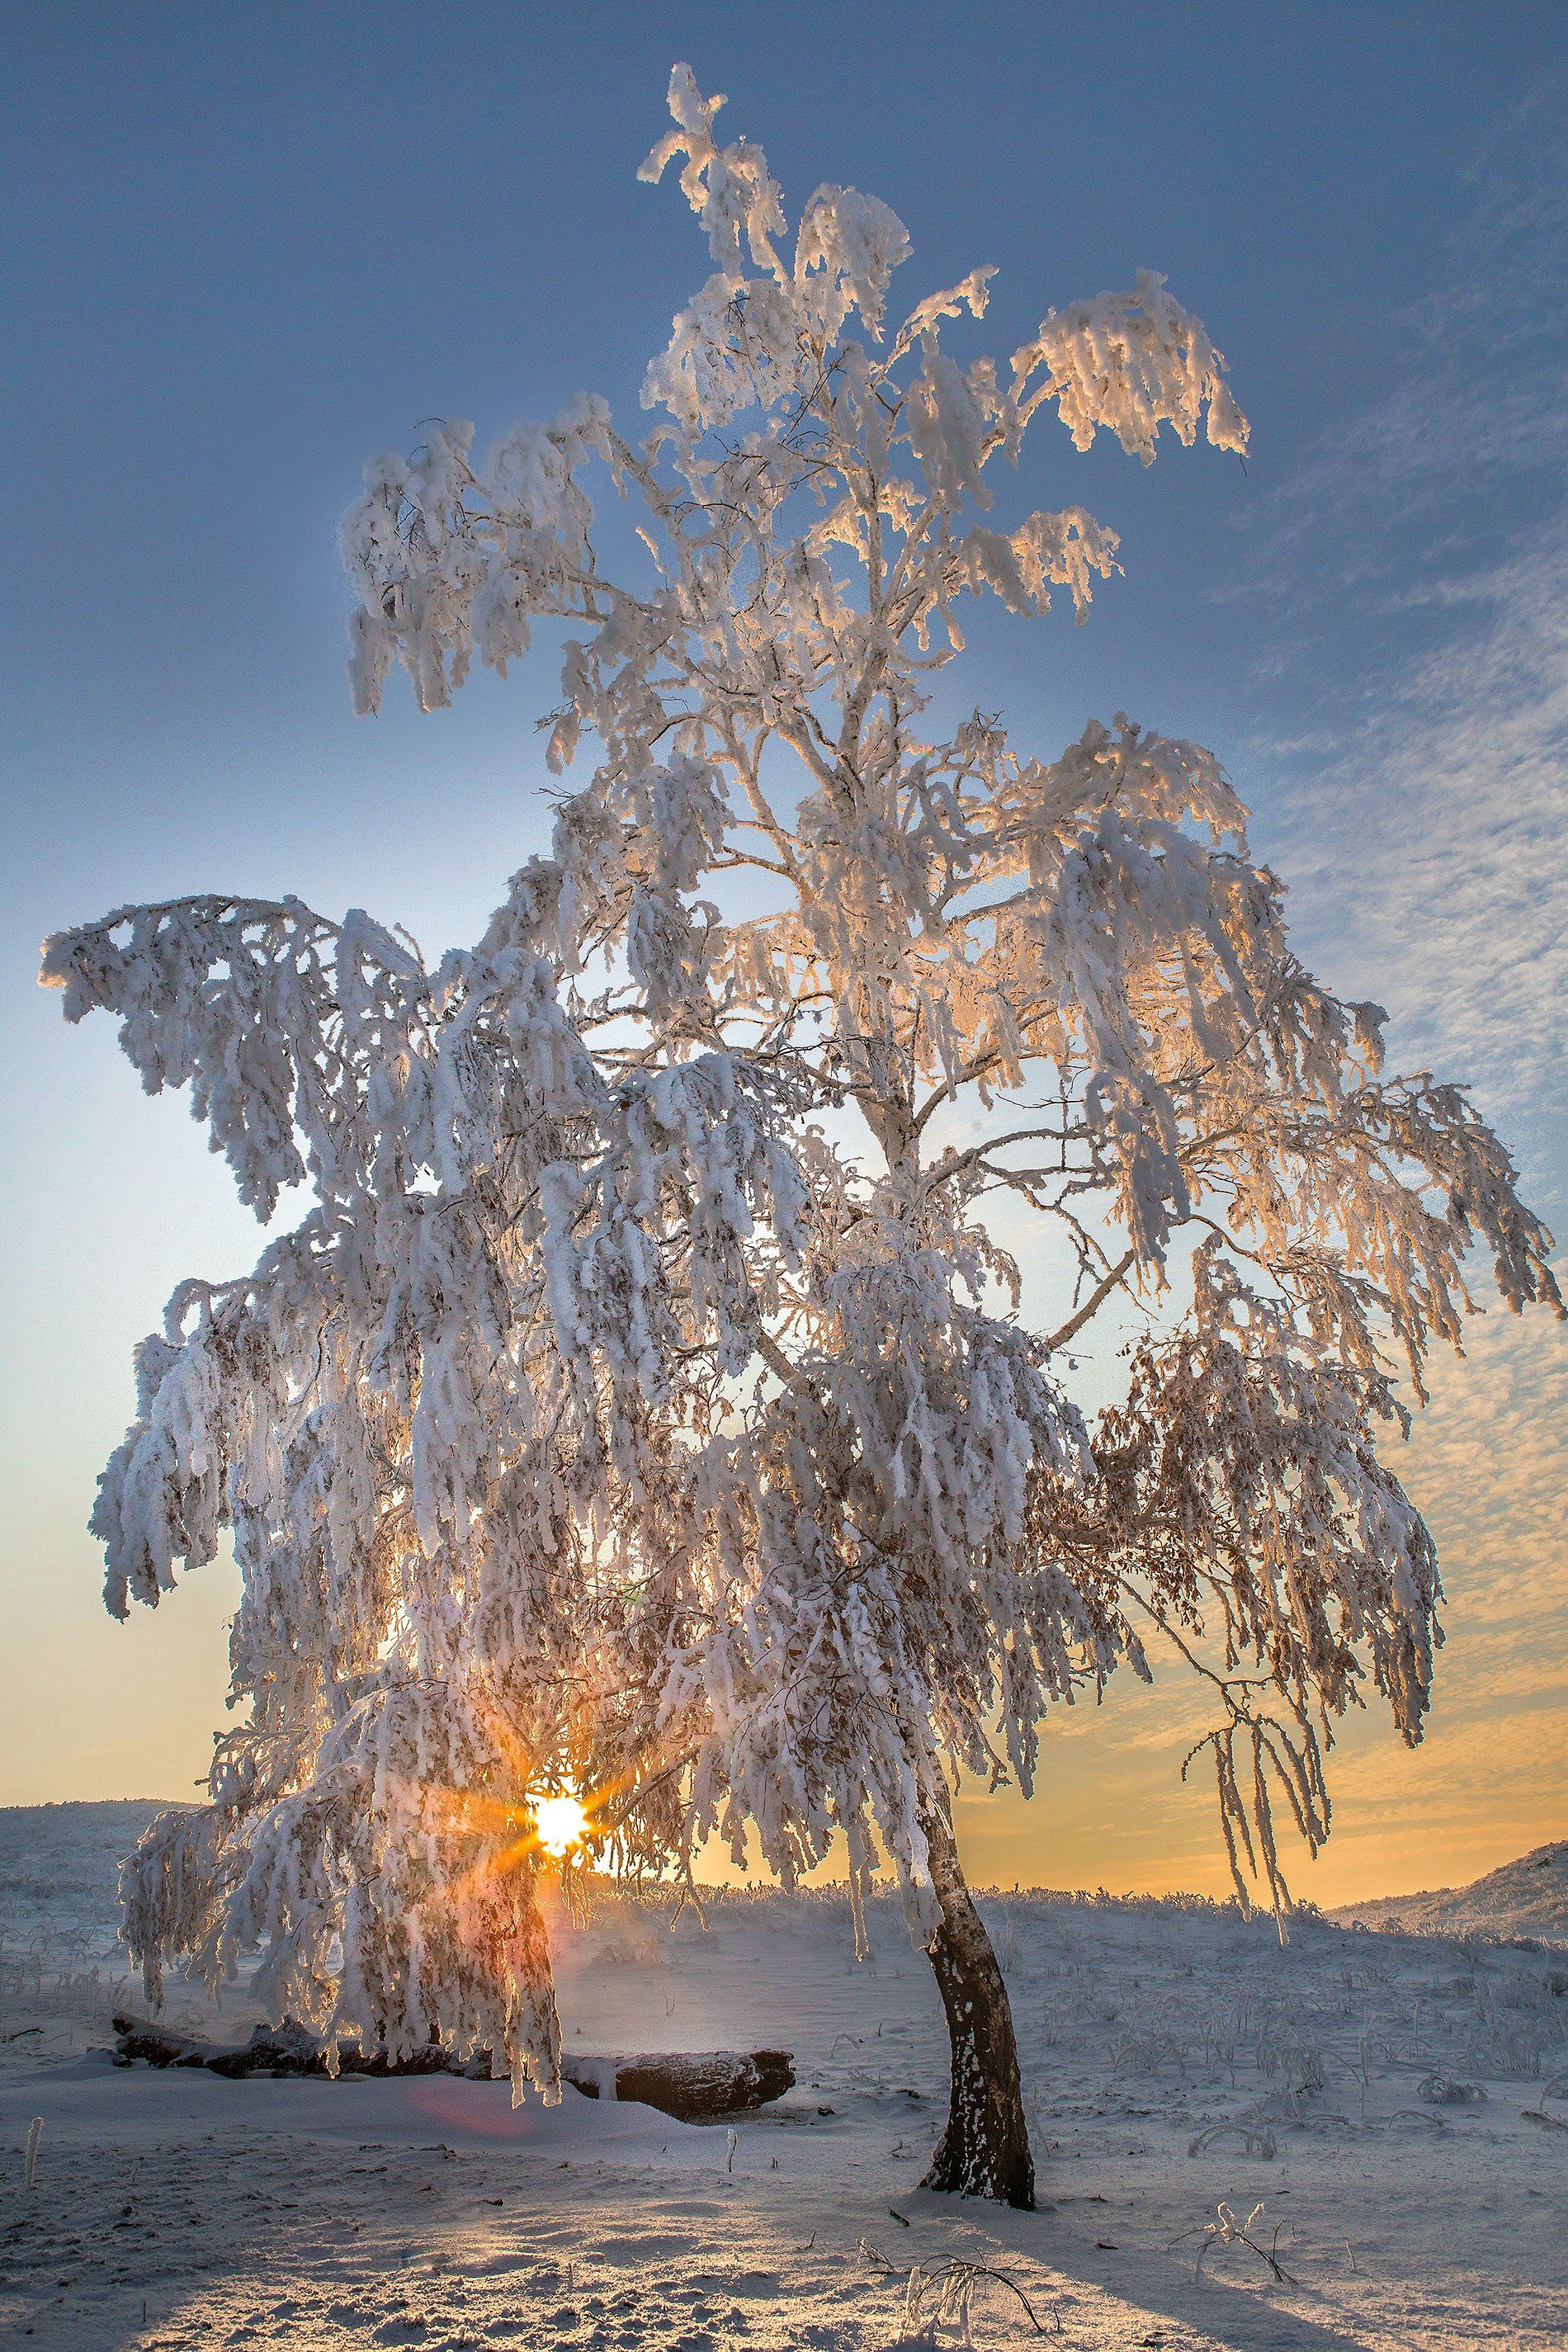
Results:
x,y
289,2048
697,2086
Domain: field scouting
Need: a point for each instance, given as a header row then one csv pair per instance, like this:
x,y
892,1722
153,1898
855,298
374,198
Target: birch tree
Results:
x,y
645,1407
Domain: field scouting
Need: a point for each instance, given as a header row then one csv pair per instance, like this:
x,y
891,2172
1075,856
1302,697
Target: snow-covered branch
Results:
x,y
640,1405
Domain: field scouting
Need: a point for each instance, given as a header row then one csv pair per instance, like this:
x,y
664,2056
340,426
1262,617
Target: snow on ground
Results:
x,y
58,1865
1527,1897
173,2210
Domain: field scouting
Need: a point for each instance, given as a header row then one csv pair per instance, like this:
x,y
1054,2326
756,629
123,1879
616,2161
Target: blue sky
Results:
x,y
249,246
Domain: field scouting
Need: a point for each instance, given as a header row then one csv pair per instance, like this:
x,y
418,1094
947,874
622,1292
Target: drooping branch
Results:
x,y
636,1388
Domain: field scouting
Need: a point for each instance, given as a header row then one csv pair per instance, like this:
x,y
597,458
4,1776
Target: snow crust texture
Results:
x,y
1175,2059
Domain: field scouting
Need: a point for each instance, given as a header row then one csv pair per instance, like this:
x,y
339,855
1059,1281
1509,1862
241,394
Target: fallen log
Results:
x,y
695,2086
288,2049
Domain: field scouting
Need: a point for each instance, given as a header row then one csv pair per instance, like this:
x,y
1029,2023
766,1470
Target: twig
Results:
x,y
949,2287
1227,2231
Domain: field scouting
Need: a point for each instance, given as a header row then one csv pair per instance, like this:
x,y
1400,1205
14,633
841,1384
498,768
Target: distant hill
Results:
x,y
1527,1897
58,1867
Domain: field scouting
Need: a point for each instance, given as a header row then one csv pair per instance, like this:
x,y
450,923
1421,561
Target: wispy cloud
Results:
x,y
1487,1462
1424,825
1431,853
1472,391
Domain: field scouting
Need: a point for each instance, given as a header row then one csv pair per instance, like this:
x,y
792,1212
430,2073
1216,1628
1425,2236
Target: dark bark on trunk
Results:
x,y
984,2150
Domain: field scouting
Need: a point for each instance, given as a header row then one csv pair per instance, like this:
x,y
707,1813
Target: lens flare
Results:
x,y
562,1821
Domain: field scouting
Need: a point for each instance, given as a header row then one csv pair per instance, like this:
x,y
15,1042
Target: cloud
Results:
x,y
1424,827
1473,392
1431,853
1424,822
1486,1461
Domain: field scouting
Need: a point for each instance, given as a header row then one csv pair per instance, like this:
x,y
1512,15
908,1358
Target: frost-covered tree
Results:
x,y
644,1406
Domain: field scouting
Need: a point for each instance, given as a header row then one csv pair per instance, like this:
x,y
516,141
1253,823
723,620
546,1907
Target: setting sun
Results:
x,y
562,1822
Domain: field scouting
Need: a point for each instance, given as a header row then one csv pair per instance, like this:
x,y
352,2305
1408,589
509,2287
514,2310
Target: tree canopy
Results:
x,y
645,1406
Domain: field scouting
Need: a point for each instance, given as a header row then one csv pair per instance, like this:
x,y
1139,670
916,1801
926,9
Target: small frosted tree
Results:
x,y
643,1408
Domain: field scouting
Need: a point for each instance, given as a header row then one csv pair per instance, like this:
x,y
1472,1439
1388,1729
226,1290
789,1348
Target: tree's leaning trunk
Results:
x,y
984,2150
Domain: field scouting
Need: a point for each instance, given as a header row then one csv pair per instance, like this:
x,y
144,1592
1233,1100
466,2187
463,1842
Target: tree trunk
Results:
x,y
984,2150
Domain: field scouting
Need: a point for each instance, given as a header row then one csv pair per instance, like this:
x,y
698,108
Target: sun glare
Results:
x,y
562,1824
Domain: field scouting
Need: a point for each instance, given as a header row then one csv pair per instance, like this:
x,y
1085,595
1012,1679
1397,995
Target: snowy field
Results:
x,y
1176,2059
